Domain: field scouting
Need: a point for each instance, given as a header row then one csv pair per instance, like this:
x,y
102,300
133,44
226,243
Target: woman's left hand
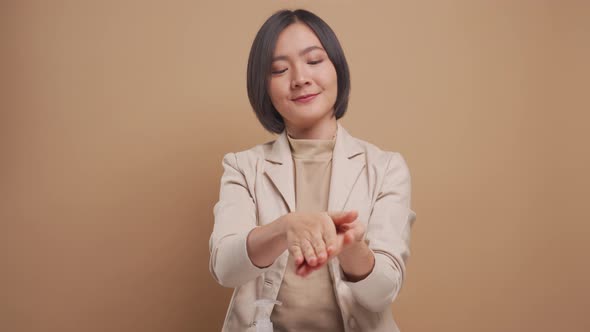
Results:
x,y
347,236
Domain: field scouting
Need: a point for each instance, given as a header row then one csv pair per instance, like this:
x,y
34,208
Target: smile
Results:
x,y
305,99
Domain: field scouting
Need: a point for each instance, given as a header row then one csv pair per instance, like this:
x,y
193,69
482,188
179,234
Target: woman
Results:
x,y
273,236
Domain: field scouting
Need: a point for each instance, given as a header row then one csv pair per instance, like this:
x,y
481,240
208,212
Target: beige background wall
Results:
x,y
115,116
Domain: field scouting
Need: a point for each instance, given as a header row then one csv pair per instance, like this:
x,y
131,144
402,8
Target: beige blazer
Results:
x,y
257,187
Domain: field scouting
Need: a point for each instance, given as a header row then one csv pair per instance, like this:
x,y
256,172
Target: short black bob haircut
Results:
x,y
260,61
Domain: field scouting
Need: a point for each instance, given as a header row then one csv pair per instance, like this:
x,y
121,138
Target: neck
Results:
x,y
322,130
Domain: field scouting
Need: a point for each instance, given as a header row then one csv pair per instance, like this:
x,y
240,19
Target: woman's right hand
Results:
x,y
312,237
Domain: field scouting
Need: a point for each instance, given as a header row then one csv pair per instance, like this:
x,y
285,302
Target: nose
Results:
x,y
300,78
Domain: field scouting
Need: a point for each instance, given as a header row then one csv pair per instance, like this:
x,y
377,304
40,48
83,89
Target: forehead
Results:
x,y
294,38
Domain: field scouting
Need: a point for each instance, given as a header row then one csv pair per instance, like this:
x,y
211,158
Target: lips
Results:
x,y
306,97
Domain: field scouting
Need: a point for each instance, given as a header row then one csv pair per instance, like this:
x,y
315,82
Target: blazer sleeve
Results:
x,y
235,216
388,236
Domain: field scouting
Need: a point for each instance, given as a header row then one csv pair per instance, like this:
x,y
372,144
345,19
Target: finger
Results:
x,y
343,217
343,241
358,230
349,236
338,246
305,269
344,227
330,241
297,254
320,249
309,253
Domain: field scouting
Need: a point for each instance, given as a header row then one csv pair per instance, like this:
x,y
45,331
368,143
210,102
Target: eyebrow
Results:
x,y
305,51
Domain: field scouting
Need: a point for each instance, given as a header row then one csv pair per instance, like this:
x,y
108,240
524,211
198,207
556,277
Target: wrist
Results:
x,y
357,261
283,228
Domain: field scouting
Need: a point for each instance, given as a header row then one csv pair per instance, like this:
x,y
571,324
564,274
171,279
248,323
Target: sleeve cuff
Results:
x,y
241,252
237,267
378,289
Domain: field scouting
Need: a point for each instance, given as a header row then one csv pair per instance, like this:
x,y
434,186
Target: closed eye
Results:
x,y
276,72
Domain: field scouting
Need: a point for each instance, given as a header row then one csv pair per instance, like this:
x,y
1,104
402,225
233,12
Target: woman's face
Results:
x,y
303,84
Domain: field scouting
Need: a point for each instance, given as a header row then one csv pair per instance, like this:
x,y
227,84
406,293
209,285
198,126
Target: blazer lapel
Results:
x,y
279,168
347,164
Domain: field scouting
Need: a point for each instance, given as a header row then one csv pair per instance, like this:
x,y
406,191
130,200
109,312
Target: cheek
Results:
x,y
278,96
329,79
276,90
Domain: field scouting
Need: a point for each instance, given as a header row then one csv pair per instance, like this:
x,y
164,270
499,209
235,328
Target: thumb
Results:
x,y
345,217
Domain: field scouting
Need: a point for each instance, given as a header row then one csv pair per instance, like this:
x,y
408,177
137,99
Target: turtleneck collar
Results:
x,y
311,148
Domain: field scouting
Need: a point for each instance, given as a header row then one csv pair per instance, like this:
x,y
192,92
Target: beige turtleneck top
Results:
x,y
309,304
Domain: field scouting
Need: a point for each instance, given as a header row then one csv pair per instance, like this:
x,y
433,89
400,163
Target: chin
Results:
x,y
305,117
308,122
